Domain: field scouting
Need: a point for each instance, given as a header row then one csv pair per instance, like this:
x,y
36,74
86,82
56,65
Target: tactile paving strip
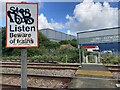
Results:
x,y
94,73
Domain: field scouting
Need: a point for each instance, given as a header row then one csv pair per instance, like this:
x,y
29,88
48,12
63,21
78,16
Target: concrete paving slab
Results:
x,y
92,83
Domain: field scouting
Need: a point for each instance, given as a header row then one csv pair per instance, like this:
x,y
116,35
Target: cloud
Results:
x,y
43,23
90,15
68,32
56,25
42,20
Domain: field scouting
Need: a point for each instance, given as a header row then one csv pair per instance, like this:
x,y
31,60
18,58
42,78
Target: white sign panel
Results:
x,y
21,25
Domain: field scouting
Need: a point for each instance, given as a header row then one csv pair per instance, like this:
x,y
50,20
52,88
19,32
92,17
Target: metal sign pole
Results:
x,y
79,50
24,69
79,55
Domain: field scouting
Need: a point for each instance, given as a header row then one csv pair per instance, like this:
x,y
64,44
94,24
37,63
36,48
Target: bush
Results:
x,y
110,59
11,58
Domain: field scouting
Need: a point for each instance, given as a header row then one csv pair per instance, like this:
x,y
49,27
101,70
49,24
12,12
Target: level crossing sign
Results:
x,y
21,25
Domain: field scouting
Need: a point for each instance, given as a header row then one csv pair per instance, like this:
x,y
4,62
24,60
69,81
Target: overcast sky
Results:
x,y
72,17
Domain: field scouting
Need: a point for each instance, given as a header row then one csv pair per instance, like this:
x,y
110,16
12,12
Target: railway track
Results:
x,y
40,64
39,67
40,82
113,68
29,75
42,76
50,75
14,87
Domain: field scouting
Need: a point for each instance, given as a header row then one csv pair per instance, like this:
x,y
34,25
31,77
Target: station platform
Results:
x,y
93,76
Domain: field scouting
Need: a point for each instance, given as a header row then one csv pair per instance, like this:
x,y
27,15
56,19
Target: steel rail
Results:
x,y
40,67
33,75
45,64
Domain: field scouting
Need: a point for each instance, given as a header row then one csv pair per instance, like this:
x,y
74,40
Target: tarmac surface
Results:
x,y
92,81
97,67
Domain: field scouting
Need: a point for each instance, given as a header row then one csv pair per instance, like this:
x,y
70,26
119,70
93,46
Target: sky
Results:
x,y
72,17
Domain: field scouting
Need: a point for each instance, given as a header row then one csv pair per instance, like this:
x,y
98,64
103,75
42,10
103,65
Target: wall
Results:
x,y
106,39
56,36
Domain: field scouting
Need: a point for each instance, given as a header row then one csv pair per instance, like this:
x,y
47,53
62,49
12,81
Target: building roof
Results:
x,y
94,30
56,31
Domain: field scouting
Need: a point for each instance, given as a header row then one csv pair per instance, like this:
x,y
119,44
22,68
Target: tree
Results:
x,y
43,43
5,51
72,42
42,40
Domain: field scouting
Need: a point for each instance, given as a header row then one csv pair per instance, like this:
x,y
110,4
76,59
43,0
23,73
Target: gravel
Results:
x,y
35,82
116,75
45,72
41,82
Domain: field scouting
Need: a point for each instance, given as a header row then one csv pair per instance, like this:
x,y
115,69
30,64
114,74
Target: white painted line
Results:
x,y
118,85
80,66
92,63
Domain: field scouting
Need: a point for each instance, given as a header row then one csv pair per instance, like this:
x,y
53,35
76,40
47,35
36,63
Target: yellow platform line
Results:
x,y
94,73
